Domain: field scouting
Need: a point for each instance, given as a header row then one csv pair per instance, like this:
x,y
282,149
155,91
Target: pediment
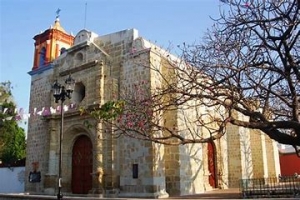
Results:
x,y
84,36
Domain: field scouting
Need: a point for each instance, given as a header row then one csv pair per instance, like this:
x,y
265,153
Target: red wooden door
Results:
x,y
82,165
211,164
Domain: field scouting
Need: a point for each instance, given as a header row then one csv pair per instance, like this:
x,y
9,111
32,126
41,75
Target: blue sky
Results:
x,y
163,22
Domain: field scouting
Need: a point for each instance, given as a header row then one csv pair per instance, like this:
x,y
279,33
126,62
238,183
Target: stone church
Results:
x,y
124,167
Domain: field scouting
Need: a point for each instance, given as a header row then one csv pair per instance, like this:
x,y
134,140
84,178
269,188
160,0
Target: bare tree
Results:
x,y
251,57
245,73
254,52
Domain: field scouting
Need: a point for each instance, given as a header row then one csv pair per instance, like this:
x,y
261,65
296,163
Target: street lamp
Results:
x,y
60,92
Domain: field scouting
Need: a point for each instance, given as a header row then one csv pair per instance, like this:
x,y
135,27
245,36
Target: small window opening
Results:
x,y
63,50
42,56
79,56
135,170
79,92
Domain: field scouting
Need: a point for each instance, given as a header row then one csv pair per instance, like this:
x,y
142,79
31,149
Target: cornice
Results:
x,y
79,68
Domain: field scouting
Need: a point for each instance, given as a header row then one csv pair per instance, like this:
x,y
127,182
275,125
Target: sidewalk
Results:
x,y
215,194
211,195
233,193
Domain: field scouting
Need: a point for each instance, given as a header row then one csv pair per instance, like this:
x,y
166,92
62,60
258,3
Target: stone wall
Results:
x,y
257,156
234,156
272,172
105,68
37,151
146,157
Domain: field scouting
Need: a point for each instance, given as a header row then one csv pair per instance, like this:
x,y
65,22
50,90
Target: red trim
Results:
x,y
35,61
48,52
52,35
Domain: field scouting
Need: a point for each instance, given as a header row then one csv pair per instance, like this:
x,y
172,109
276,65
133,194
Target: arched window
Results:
x,y
79,57
63,50
42,56
79,92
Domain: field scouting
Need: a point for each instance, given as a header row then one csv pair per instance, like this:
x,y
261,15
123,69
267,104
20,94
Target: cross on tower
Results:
x,y
57,13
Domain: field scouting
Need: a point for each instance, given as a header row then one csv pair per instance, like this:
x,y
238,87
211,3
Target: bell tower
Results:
x,y
50,44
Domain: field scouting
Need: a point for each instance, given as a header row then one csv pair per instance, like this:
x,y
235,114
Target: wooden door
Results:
x,y
212,164
82,165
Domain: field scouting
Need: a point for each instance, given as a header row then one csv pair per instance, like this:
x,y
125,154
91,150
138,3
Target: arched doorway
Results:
x,y
211,154
82,165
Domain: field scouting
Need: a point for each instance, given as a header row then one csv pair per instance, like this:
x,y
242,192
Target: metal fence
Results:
x,y
277,187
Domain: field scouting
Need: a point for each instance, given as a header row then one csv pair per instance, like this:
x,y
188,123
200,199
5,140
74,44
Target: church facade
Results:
x,y
95,163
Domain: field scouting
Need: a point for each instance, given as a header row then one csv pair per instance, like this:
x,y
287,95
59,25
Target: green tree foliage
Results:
x,y
12,137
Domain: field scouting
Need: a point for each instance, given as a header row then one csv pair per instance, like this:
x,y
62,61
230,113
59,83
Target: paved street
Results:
x,y
216,194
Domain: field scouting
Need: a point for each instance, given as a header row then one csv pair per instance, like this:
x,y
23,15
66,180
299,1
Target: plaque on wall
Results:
x,y
34,177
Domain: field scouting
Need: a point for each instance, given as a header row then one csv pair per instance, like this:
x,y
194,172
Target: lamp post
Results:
x,y
60,92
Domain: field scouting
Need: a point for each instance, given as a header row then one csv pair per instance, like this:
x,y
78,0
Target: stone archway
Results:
x,y
82,165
